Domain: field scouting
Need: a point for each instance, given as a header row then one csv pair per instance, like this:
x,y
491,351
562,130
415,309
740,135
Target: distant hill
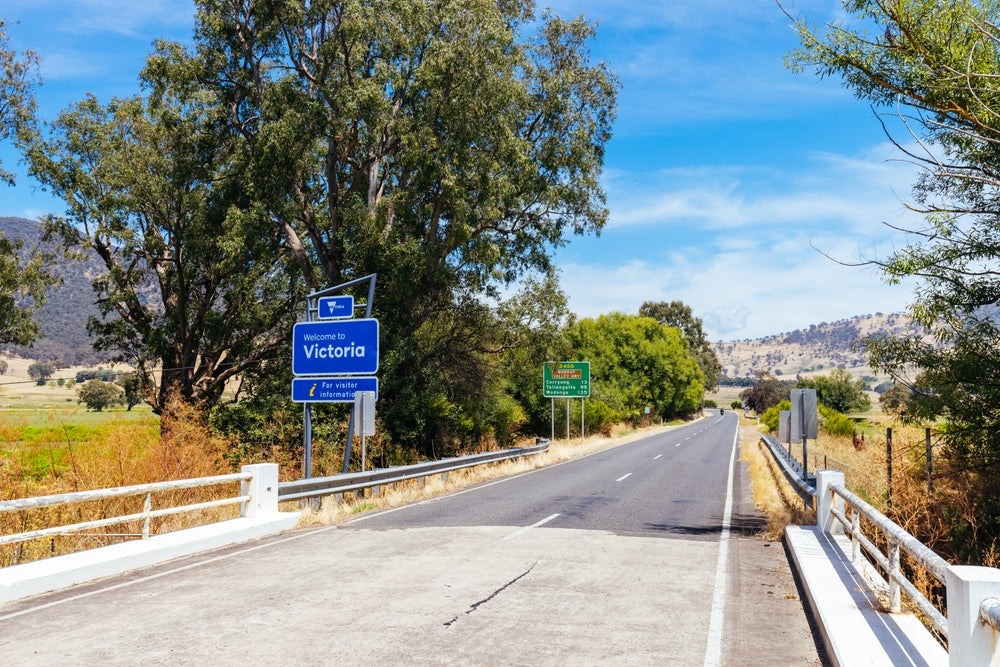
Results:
x,y
64,318
818,349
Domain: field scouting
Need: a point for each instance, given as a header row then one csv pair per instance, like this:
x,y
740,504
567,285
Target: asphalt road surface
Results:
x,y
640,554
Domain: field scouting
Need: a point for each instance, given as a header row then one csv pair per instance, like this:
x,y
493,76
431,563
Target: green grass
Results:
x,y
70,414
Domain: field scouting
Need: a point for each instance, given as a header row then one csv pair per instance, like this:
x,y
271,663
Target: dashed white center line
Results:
x,y
657,456
623,477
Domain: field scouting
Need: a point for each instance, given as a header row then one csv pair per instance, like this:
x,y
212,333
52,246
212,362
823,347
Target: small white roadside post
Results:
x,y
970,640
262,489
825,500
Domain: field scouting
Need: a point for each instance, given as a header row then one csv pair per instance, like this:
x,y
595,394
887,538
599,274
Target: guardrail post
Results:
x,y
262,489
825,500
970,640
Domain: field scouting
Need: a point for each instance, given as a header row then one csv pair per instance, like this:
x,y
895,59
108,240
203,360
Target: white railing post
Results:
x,y
147,507
262,489
895,601
970,640
825,500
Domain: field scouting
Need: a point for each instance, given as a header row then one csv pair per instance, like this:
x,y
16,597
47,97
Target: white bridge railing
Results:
x,y
148,513
972,625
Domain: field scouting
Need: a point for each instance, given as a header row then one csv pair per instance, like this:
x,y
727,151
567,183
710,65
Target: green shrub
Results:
x,y
599,417
836,423
772,415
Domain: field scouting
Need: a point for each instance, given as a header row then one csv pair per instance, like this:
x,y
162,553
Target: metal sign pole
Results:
x,y
805,457
553,402
364,450
583,403
307,458
350,439
567,419
307,421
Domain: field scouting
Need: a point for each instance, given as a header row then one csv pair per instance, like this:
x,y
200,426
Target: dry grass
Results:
x,y
333,510
772,494
119,455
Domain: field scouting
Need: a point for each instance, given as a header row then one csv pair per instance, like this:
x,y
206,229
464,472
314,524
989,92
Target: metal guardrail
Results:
x,y
316,487
792,469
148,512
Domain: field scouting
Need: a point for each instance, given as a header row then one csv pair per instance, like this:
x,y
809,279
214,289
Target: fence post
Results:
x,y
970,640
262,489
825,500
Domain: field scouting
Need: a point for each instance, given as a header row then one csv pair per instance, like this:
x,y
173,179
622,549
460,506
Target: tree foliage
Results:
x,y
895,400
678,314
766,392
136,388
194,284
40,371
838,391
24,269
636,362
935,65
368,142
18,80
98,394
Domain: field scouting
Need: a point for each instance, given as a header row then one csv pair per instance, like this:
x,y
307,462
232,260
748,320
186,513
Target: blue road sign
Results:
x,y
331,389
335,347
336,307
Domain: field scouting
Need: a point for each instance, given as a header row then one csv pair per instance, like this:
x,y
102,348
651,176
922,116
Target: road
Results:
x,y
631,555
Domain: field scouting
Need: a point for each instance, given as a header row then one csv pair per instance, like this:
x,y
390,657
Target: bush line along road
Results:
x,y
631,554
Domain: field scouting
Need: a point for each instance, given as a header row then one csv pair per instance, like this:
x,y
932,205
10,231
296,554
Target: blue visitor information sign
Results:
x,y
331,389
335,347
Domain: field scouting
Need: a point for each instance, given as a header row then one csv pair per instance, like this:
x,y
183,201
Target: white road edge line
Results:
x,y
625,476
713,652
522,531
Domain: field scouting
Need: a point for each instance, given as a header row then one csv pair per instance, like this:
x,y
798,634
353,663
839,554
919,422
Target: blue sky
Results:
x,y
728,176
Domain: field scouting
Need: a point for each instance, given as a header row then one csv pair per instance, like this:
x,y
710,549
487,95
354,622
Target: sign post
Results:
x,y
805,421
335,357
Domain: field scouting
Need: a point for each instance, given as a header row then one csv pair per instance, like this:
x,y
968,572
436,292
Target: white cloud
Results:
x,y
750,257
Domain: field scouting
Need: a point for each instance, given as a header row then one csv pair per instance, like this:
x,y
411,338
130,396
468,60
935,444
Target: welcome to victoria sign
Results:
x,y
328,358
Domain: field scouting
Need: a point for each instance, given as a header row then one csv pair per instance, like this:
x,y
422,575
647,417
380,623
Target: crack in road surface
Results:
x,y
495,593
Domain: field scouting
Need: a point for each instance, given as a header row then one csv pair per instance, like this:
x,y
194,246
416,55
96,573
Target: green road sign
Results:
x,y
566,379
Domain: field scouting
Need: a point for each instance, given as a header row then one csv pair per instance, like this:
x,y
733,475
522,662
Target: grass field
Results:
x,y
23,402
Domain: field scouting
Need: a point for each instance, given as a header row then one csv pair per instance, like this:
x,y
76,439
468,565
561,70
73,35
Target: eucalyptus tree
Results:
x,y
18,80
446,145
194,287
24,269
679,314
936,68
636,362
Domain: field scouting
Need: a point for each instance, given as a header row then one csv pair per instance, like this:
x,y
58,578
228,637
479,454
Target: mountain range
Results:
x,y
63,318
813,350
